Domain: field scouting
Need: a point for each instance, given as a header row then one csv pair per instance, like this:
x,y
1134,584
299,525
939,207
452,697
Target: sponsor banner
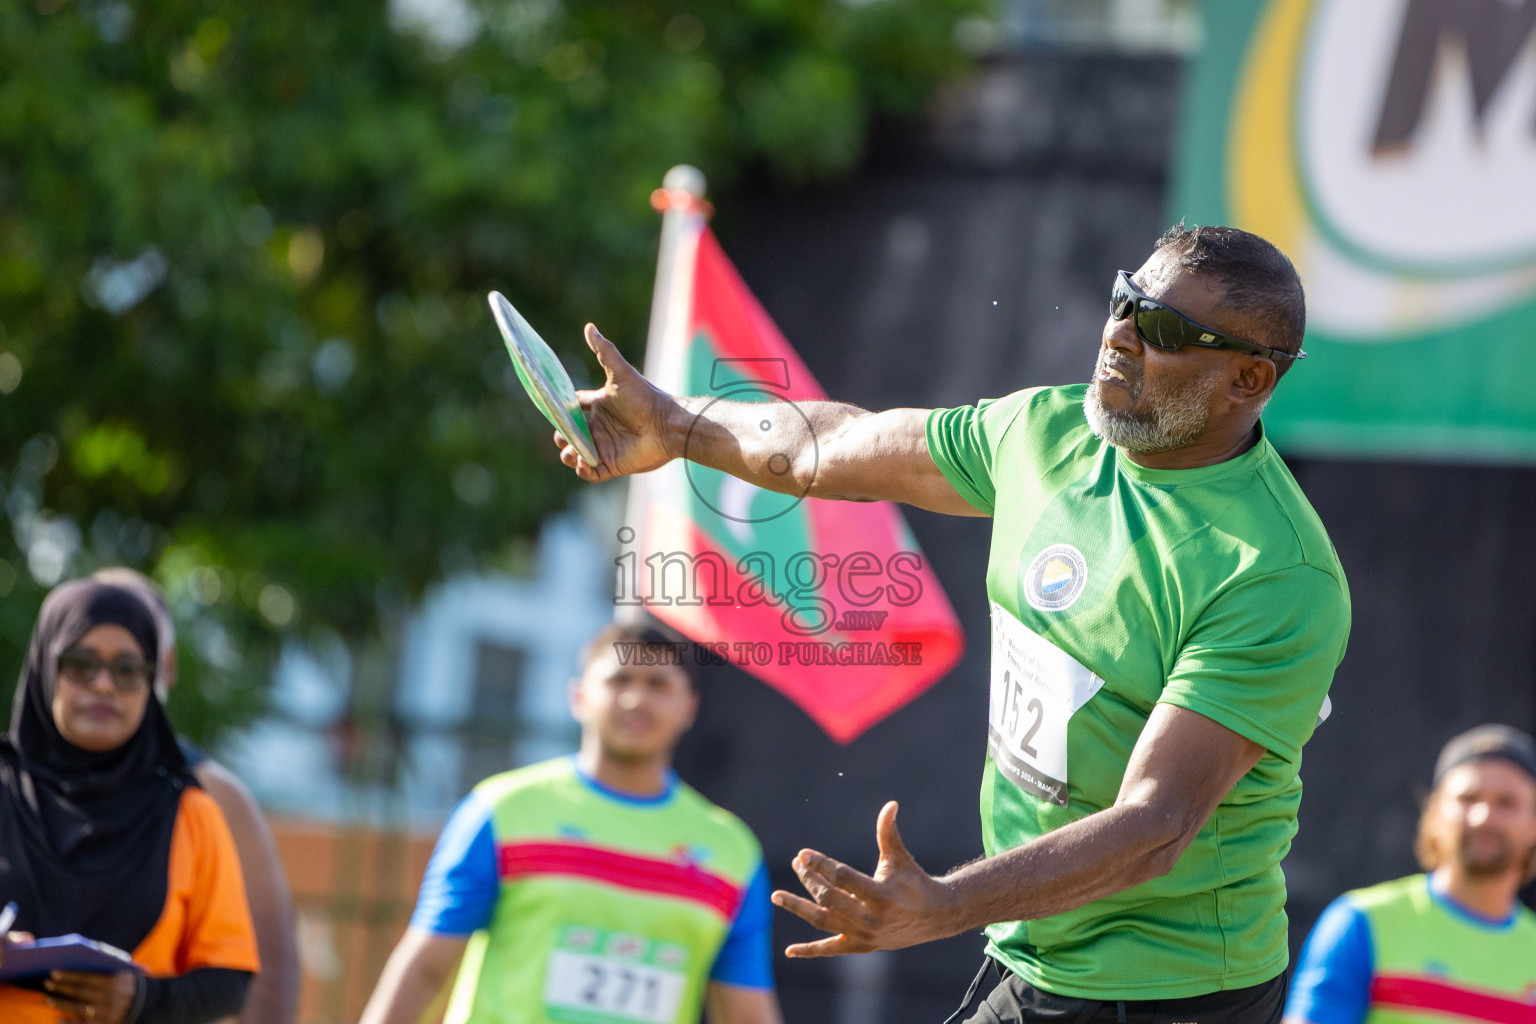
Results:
x,y
1389,147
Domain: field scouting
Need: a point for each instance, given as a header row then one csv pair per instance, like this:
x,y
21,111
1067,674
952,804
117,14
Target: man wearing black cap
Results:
x,y
1452,945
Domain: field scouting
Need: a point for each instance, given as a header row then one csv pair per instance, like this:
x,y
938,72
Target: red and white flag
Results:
x,y
829,602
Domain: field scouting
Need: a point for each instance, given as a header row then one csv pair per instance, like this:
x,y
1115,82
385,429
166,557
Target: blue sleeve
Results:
x,y
1332,983
746,958
459,892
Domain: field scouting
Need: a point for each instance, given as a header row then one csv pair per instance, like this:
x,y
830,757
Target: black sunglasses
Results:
x,y
1166,328
80,666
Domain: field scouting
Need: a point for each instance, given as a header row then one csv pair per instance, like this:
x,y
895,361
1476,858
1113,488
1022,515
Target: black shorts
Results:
x,y
1014,1001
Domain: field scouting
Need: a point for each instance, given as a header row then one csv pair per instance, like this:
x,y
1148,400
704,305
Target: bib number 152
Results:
x,y
1036,689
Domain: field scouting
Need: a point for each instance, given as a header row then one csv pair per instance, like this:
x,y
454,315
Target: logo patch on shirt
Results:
x,y
1055,579
693,856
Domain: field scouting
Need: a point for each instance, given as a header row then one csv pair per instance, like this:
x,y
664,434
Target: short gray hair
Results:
x,y
1259,281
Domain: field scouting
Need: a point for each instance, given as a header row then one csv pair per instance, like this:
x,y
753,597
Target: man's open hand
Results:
x,y
628,417
901,905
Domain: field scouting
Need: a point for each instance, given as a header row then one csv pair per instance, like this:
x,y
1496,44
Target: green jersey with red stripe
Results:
x,y
609,912
1433,962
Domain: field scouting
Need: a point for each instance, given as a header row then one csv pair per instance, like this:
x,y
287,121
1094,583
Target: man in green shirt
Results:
x,y
1167,615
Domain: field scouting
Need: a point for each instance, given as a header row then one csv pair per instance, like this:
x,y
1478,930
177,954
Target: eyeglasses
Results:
x,y
81,666
1166,328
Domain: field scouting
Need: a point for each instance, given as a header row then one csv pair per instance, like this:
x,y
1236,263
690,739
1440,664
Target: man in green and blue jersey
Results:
x,y
1453,945
1167,613
596,888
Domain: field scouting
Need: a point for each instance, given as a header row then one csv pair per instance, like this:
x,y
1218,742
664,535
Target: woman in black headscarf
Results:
x,y
103,831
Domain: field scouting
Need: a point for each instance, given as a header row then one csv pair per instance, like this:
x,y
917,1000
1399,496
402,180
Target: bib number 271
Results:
x,y
601,987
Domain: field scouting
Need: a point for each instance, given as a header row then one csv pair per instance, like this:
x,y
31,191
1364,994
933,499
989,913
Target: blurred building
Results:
x,y
1126,26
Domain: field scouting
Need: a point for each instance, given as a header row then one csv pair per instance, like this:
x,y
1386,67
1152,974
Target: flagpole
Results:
x,y
684,214
683,217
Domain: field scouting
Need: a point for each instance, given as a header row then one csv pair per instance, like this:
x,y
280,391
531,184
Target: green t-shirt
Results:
x,y
1114,588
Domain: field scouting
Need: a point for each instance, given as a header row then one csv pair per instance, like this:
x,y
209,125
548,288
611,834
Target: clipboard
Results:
x,y
62,953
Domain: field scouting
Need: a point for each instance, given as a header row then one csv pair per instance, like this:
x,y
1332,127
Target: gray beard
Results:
x,y
1176,418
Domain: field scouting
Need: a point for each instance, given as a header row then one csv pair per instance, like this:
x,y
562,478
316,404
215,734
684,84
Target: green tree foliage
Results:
x,y
244,250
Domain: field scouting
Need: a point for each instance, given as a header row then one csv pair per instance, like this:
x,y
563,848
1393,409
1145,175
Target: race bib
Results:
x,y
595,977
1036,688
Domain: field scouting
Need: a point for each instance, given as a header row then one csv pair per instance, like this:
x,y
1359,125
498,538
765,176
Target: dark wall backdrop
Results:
x,y
973,257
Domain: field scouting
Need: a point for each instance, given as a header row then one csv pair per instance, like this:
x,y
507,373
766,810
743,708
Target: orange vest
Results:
x,y
205,923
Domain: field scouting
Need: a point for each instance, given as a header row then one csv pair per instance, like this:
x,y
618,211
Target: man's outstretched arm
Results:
x,y
1182,767
824,449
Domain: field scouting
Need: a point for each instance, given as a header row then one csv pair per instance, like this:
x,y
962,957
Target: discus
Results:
x,y
543,377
